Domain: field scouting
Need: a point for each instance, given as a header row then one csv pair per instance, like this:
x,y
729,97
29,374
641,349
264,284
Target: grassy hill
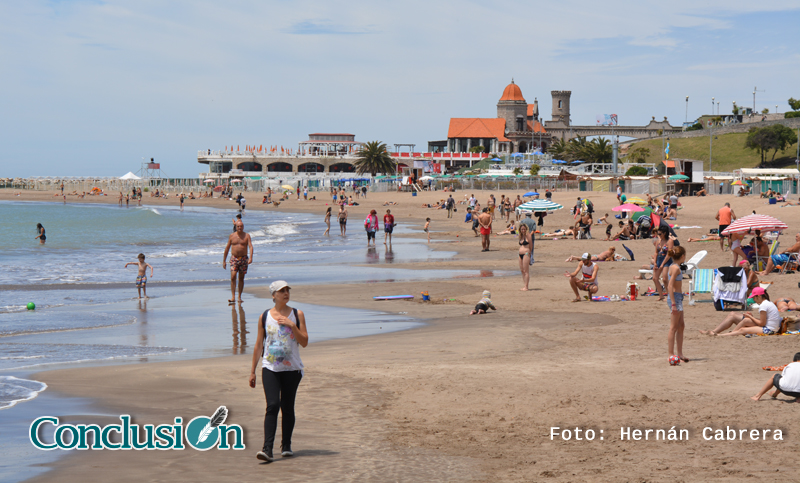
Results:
x,y
728,153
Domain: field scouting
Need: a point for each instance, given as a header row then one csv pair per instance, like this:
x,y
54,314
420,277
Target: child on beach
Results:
x,y
141,277
675,302
484,305
427,228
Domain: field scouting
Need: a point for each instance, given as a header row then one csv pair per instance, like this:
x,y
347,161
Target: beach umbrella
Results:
x,y
576,162
636,201
208,181
639,214
627,207
558,161
679,177
751,223
496,159
531,193
288,187
426,178
516,155
738,182
539,205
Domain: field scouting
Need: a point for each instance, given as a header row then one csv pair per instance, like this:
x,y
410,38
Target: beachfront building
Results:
x,y
516,128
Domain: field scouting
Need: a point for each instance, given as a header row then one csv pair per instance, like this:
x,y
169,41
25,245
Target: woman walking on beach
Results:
x,y
328,221
342,217
675,302
41,236
281,332
525,246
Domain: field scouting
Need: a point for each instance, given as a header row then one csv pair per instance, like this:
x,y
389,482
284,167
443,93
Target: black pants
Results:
x,y
280,389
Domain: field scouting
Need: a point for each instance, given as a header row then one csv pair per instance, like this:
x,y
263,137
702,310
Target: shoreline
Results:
x,y
475,397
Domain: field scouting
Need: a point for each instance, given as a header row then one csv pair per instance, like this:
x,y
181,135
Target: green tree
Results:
x,y
476,149
534,169
765,111
794,104
735,110
559,149
771,138
638,155
373,158
695,127
597,151
517,170
636,171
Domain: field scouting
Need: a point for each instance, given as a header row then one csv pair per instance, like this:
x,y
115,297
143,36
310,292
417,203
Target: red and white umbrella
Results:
x,y
627,207
751,223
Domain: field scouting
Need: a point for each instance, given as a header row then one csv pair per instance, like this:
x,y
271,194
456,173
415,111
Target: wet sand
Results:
x,y
474,398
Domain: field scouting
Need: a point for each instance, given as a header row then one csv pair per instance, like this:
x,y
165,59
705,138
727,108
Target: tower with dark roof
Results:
x,y
513,108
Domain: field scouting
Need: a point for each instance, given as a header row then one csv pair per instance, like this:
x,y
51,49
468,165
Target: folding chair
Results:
x,y
761,262
794,261
702,282
692,263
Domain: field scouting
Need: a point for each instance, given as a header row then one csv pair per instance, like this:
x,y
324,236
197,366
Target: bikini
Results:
x,y
522,244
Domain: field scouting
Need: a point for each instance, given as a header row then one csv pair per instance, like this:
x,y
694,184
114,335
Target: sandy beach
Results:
x,y
474,398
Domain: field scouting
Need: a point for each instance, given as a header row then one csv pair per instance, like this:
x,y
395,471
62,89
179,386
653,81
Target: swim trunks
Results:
x,y
342,221
388,227
141,281
767,331
486,231
238,264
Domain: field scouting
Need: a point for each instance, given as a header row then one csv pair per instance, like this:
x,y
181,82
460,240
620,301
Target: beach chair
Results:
x,y
792,264
691,265
761,263
702,283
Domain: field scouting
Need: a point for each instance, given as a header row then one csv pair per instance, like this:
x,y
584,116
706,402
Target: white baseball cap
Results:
x,y
278,285
586,256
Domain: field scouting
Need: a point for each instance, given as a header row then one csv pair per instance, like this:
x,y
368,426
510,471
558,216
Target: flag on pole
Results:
x,y
666,151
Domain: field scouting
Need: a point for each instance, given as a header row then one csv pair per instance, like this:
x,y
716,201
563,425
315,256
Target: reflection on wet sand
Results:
x,y
239,327
143,337
389,255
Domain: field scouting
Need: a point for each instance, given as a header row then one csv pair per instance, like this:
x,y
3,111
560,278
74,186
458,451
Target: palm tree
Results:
x,y
559,149
599,151
373,158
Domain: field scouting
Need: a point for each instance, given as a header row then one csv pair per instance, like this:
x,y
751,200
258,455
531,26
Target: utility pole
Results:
x,y
615,152
755,89
710,135
687,110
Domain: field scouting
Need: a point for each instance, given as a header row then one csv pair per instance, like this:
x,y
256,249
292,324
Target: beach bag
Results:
x,y
633,290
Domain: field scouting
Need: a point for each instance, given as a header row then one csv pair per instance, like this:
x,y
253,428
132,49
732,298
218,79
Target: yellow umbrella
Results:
x,y
288,187
636,201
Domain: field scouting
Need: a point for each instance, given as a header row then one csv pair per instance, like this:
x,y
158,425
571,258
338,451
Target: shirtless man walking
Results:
x,y
485,222
238,244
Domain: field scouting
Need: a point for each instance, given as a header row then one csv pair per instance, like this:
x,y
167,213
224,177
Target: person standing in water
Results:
x,y
141,276
41,236
342,217
238,243
388,226
328,221
281,332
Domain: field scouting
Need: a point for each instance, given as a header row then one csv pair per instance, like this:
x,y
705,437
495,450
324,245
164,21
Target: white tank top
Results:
x,y
281,350
587,272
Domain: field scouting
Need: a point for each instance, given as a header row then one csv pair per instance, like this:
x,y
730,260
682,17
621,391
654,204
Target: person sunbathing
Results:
x,y
768,322
790,203
781,258
559,233
609,255
510,230
389,203
703,238
786,304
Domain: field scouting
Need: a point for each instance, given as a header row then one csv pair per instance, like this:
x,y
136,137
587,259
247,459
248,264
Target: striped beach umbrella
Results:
x,y
636,201
539,205
751,223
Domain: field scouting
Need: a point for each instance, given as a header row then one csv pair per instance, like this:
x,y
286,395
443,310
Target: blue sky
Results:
x,y
92,87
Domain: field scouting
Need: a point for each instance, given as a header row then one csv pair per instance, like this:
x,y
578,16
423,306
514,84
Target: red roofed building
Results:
x,y
515,129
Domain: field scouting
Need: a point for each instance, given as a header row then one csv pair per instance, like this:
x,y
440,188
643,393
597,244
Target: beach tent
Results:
x,y
130,176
